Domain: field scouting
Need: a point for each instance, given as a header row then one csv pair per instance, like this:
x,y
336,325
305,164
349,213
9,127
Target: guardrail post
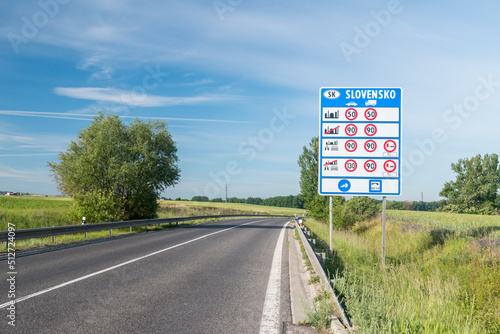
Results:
x,y
110,231
53,237
85,234
130,228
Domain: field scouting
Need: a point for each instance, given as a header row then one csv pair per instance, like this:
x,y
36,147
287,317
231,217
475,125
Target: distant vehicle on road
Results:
x,y
371,103
352,103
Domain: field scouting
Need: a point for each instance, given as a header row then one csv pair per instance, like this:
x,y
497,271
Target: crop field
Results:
x,y
237,207
32,212
442,273
35,212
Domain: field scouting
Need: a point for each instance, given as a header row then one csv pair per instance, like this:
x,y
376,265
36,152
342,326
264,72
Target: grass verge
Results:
x,y
442,273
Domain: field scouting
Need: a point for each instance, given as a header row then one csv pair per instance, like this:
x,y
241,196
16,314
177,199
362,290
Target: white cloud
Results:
x,y
136,98
87,115
32,145
100,65
16,139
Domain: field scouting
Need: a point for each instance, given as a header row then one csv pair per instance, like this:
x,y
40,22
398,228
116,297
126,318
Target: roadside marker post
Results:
x,y
360,145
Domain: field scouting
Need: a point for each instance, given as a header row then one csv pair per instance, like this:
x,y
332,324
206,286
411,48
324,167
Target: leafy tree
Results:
x,y
289,201
363,207
218,200
200,199
318,205
475,189
116,172
425,206
407,205
254,200
394,205
235,200
342,216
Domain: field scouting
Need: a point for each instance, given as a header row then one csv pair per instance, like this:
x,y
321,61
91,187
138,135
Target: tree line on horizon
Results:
x,y
290,201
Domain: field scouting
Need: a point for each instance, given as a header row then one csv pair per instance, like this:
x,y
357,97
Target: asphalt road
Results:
x,y
209,278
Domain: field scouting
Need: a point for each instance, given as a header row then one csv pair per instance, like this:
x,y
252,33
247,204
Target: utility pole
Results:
x,y
226,192
422,196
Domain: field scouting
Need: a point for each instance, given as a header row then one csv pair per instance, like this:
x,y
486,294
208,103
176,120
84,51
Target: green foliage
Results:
x,y
289,201
200,199
235,200
116,172
475,189
96,208
255,200
320,316
364,207
317,205
441,275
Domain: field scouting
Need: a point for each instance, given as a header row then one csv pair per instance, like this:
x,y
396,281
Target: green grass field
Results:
x,y
261,209
34,212
442,273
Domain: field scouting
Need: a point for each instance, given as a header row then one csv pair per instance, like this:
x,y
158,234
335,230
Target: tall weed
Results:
x,y
440,277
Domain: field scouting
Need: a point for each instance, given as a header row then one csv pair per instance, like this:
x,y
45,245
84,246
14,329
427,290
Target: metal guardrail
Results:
x,y
72,229
318,268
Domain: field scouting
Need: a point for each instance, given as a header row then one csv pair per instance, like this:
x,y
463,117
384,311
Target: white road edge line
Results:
x,y
4,305
270,321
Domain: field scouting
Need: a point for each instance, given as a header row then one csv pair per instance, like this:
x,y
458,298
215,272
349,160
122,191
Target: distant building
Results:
x,y
12,194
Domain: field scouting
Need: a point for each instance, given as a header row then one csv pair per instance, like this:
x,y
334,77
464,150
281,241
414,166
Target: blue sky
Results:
x,y
238,82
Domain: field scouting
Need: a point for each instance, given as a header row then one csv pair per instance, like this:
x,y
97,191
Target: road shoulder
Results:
x,y
301,292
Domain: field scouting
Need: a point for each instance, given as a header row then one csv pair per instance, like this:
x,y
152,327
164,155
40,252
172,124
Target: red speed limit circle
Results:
x,y
389,166
350,165
351,145
370,165
351,130
370,130
370,146
351,114
370,114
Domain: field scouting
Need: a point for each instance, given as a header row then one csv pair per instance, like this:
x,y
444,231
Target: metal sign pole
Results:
x,y
383,231
331,226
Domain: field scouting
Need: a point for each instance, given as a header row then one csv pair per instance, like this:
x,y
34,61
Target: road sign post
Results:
x,y
383,231
331,225
360,143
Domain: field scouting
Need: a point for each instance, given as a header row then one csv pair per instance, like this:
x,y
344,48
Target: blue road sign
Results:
x,y
360,141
